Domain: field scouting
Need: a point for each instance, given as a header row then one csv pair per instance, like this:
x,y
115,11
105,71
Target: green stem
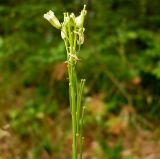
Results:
x,y
81,132
79,101
75,92
73,108
73,87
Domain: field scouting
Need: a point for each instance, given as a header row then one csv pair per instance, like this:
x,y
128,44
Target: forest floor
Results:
x,y
119,140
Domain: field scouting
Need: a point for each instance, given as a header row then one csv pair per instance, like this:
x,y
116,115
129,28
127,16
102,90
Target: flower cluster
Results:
x,y
72,30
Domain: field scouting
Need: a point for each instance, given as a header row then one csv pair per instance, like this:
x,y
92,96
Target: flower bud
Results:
x,y
52,19
63,32
81,36
80,18
63,35
72,18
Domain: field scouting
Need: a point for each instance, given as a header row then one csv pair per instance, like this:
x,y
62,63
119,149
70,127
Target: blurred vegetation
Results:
x,y
120,61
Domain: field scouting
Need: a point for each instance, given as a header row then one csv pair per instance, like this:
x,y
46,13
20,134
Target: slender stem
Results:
x,y
77,111
75,91
81,132
73,108
73,83
79,101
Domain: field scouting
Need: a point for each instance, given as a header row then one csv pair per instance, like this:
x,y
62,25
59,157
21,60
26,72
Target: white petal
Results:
x,y
78,20
46,16
51,13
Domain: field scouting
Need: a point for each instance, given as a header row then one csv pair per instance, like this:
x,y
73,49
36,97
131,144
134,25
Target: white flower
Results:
x,y
80,18
52,19
63,31
80,33
78,21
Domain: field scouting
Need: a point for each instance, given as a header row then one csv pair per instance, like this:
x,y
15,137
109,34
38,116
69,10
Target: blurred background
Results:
x,y
120,61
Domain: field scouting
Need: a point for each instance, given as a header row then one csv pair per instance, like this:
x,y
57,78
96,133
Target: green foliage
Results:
x,y
112,152
121,58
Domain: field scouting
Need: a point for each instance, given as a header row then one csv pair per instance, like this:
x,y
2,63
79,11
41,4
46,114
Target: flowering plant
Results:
x,y
72,32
